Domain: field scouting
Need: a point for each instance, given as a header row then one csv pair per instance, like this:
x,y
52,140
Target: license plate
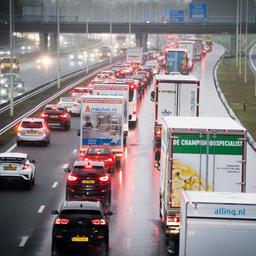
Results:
x,y
88,181
31,132
79,239
10,168
54,116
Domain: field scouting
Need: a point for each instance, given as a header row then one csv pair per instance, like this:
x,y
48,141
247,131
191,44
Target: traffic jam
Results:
x,y
188,149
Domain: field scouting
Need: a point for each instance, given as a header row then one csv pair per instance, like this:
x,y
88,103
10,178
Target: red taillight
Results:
x,y
171,220
25,166
109,159
119,154
64,116
19,128
99,222
43,115
104,178
72,178
158,132
132,86
60,221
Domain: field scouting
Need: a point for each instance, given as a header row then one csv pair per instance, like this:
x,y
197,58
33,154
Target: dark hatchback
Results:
x,y
80,224
88,180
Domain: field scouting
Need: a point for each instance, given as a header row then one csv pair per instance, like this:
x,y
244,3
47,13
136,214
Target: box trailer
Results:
x,y
217,223
102,120
134,55
199,154
174,95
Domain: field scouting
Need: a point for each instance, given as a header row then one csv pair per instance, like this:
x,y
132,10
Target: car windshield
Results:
x,y
98,151
31,124
14,160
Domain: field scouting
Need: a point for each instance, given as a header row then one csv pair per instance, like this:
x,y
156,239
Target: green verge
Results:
x,y
241,96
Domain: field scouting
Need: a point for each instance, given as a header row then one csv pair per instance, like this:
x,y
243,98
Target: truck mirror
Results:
x,y
78,132
152,96
157,155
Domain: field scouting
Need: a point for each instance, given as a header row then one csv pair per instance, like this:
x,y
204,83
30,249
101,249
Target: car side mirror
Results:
x,y
152,96
108,213
33,161
67,170
54,212
78,132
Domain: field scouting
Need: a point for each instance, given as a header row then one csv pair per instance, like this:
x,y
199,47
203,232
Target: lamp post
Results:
x,y
110,32
130,25
237,26
58,42
11,57
240,45
245,47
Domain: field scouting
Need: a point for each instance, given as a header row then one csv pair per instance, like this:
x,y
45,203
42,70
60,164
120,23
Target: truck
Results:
x,y
176,60
198,48
189,45
174,95
116,89
198,154
102,120
134,55
5,65
217,223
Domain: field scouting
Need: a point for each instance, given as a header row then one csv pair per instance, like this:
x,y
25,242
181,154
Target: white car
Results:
x,y
81,91
17,167
72,104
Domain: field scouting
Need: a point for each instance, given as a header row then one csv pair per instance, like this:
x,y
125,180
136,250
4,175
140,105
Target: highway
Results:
x,y
135,230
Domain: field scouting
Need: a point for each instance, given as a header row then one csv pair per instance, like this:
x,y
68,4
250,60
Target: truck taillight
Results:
x,y
158,132
171,220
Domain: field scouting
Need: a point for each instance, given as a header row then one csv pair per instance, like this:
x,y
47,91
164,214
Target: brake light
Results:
x,y
88,167
104,178
132,86
64,115
43,115
109,159
25,166
72,178
172,220
119,154
19,128
99,222
60,221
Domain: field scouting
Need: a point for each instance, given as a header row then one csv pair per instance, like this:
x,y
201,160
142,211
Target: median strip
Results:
x,y
23,241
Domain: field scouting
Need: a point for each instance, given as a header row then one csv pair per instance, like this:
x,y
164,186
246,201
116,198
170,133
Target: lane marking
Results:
x,y
41,208
128,243
23,241
11,148
55,184
74,151
65,166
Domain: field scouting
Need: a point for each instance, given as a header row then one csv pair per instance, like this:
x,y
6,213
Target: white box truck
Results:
x,y
198,154
218,223
174,95
102,120
198,48
189,45
134,55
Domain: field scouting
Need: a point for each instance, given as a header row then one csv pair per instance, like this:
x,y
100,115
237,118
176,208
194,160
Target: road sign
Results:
x,y
198,12
147,16
174,16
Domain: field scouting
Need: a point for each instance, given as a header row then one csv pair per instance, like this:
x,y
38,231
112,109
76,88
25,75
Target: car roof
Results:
x,y
86,163
32,119
14,154
51,106
81,205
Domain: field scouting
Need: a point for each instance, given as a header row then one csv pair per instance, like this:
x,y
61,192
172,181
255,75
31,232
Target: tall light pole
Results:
x,y
58,42
11,57
110,32
240,45
237,26
86,43
130,25
245,47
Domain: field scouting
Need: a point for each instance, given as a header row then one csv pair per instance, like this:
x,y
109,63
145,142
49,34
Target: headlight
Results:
x,y
20,85
80,56
71,56
3,92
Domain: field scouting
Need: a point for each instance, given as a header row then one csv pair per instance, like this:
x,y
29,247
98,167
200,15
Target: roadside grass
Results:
x,y
240,96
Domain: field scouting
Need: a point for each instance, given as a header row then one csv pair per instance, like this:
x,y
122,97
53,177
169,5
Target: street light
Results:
x,y
245,47
11,56
110,32
58,43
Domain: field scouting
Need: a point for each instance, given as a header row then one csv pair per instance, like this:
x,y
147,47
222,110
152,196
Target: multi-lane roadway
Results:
x,y
135,229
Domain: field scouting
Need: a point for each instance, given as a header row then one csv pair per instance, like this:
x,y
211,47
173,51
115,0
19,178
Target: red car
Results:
x,y
100,153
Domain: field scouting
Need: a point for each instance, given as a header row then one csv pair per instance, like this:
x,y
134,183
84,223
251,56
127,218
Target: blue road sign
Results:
x,y
147,16
198,12
174,16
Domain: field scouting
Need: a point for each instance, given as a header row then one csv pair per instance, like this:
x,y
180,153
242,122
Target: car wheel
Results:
x,y
19,143
29,184
45,143
105,247
54,250
67,127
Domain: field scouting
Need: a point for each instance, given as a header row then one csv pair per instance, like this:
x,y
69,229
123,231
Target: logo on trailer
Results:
x,y
87,109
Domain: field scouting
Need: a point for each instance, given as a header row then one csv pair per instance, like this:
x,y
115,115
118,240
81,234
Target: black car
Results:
x,y
80,224
88,180
56,117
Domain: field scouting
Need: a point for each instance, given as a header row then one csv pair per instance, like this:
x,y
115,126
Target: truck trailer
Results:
x,y
217,223
198,154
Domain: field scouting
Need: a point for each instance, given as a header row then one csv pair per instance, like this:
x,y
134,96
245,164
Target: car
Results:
x,y
18,84
33,130
80,224
56,117
17,167
100,153
72,104
88,180
81,91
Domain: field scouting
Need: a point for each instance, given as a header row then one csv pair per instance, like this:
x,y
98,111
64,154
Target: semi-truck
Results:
x,y
174,95
176,60
217,223
134,55
198,154
198,48
102,120
189,45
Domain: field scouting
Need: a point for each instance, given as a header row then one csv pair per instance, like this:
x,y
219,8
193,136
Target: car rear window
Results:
x,y
80,90
30,124
98,151
81,170
16,160
90,214
54,110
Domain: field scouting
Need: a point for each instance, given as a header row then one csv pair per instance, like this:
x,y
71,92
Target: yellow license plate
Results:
x,y
32,132
88,181
54,116
10,168
80,239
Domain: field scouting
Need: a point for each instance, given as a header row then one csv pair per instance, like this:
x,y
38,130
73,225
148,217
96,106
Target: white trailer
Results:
x,y
198,48
218,223
174,95
189,45
134,55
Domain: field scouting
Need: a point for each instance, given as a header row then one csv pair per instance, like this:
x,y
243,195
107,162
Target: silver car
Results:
x,y
33,130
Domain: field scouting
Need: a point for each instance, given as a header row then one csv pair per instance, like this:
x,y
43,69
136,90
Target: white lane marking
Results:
x,y
74,151
55,184
23,241
128,243
41,208
11,148
65,166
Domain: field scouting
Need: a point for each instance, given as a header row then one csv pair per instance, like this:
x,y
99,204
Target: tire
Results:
x,y
106,247
45,143
67,127
29,184
19,143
